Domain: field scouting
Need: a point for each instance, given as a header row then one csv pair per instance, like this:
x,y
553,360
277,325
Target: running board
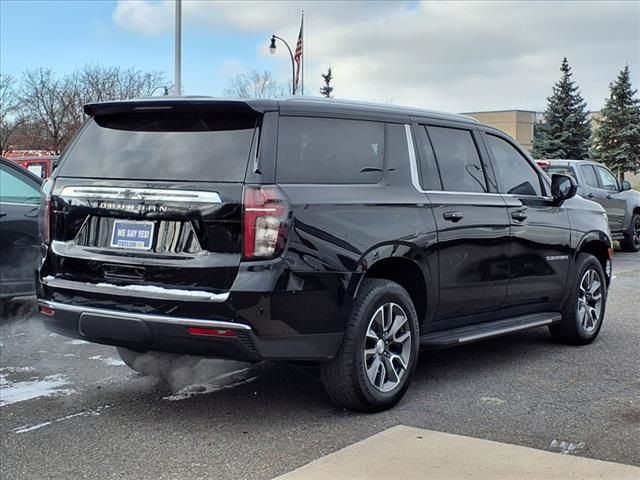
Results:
x,y
481,331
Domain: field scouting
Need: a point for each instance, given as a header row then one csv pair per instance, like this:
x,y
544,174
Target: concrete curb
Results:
x,y
415,454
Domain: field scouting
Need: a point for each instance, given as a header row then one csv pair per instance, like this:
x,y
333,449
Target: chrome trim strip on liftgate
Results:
x,y
193,322
150,194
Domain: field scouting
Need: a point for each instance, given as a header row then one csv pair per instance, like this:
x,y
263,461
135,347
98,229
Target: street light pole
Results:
x,y
166,90
178,59
272,49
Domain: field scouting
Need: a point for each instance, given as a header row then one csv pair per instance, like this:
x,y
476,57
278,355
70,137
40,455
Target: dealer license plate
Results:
x,y
132,234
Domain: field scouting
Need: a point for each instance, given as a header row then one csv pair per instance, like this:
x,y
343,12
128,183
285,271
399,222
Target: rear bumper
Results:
x,y
144,332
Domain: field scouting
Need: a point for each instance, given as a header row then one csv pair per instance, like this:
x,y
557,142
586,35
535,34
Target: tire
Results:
x,y
584,309
631,241
154,364
369,342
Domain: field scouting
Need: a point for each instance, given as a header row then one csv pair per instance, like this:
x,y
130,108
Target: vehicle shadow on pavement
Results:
x,y
277,387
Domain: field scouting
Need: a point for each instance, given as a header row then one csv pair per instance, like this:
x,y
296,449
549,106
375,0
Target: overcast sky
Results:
x,y
454,56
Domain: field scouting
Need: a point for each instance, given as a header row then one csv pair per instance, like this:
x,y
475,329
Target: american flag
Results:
x,y
297,57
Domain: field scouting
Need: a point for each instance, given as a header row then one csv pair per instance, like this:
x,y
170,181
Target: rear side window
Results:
x,y
330,151
515,174
458,159
163,146
428,169
589,175
13,189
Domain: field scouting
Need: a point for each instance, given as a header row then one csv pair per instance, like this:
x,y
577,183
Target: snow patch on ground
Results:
x,y
217,383
19,391
76,341
17,369
492,400
193,390
86,413
31,428
113,362
566,447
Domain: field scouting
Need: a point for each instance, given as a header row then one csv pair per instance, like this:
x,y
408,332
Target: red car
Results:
x,y
40,166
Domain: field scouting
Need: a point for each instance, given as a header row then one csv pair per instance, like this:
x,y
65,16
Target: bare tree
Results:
x,y
255,84
53,107
48,103
10,118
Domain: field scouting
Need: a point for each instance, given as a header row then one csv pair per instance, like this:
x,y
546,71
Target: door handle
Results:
x,y
453,216
609,197
3,214
590,195
519,215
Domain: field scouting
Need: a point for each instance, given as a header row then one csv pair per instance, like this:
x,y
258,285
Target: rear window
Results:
x,y
561,170
163,146
329,151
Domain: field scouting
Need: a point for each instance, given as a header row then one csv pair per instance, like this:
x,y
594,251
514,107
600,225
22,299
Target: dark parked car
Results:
x,y
596,182
19,242
312,230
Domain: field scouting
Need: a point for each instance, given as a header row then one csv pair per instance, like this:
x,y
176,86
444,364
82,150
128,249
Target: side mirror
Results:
x,y
563,187
626,186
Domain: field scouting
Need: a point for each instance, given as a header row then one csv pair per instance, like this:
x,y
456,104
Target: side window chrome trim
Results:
x,y
413,167
413,162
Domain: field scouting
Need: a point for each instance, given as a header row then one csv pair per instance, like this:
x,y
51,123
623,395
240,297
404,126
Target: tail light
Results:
x,y
211,332
50,312
265,215
45,210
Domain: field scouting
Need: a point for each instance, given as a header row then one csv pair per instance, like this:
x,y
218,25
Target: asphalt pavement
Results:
x,y
70,409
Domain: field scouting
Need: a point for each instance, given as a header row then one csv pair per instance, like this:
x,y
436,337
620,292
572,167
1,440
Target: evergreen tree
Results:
x,y
539,130
326,89
617,140
567,129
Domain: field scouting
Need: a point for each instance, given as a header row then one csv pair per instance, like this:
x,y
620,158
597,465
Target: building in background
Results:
x,y
517,123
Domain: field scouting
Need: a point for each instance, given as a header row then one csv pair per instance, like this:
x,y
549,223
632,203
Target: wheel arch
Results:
x,y
599,245
405,265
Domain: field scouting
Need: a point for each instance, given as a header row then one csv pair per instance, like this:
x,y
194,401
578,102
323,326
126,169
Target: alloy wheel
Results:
x,y
387,348
590,300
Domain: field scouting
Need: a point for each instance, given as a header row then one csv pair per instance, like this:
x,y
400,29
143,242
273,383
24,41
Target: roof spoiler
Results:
x,y
182,104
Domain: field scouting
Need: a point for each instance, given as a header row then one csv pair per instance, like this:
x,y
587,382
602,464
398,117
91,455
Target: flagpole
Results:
x,y
302,59
178,46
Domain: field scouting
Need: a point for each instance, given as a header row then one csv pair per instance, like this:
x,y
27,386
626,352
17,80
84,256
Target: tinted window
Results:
x,y
589,175
458,160
607,179
515,174
15,189
163,146
397,156
326,150
561,170
427,167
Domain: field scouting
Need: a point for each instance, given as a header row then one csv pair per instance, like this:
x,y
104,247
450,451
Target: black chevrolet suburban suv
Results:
x,y
346,234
